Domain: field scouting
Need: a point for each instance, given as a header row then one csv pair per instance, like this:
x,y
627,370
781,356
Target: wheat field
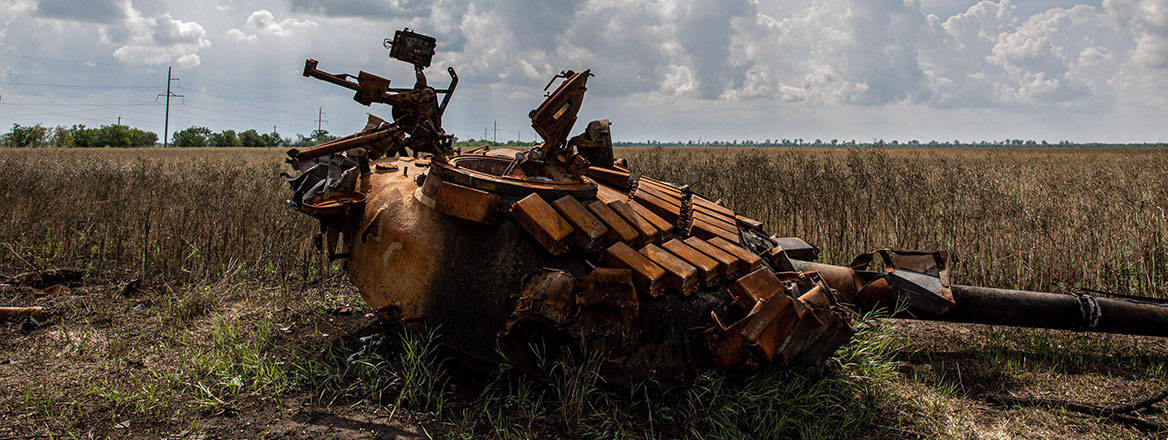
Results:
x,y
1042,219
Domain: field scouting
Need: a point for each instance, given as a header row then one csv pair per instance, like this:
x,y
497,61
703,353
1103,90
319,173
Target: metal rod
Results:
x,y
340,145
1021,308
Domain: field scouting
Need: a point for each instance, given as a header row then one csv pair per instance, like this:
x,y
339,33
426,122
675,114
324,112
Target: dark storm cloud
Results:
x,y
94,11
374,9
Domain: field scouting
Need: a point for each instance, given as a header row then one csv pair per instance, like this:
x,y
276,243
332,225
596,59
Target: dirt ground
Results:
x,y
79,374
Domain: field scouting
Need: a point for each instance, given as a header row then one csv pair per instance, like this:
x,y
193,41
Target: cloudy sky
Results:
x,y
670,70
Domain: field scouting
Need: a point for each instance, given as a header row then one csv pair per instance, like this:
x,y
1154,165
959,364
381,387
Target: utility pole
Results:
x,y
166,120
119,120
495,137
319,119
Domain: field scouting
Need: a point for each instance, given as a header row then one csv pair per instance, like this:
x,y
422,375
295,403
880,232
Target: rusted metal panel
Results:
x,y
679,275
590,231
701,228
601,287
648,276
768,325
796,248
648,232
710,269
747,222
731,263
467,203
922,277
664,227
18,313
660,186
542,222
837,331
754,287
607,305
555,117
675,201
713,206
842,279
547,298
805,333
618,228
616,178
750,259
714,220
660,207
608,194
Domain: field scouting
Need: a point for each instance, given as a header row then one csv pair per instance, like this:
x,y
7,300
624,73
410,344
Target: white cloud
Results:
x,y
157,40
1146,22
262,22
777,59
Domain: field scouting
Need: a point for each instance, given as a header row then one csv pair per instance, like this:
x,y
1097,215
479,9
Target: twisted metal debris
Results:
x,y
562,245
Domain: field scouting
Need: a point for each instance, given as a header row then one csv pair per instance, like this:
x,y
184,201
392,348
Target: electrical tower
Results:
x,y
166,119
319,119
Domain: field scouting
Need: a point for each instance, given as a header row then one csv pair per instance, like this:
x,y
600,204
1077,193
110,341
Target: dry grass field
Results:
x,y
205,312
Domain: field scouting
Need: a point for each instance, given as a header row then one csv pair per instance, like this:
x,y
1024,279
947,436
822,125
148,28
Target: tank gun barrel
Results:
x,y
1079,312
920,280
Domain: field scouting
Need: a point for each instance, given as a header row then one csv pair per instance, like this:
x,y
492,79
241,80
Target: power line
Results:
x,y
85,86
61,60
245,103
231,114
233,85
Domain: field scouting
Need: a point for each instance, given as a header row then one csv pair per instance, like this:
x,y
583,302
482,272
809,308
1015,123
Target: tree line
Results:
x,y
77,136
121,136
198,136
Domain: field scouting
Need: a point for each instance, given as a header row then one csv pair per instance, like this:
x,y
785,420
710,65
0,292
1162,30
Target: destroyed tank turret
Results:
x,y
562,246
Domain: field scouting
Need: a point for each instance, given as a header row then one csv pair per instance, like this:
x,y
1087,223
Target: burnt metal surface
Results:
x,y
561,246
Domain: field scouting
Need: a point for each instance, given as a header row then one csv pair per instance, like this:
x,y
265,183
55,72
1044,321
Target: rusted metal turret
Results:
x,y
562,245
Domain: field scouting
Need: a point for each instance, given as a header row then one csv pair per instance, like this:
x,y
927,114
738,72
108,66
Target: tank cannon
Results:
x,y
561,243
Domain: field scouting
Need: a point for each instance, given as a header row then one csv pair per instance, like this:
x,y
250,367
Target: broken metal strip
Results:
x,y
711,269
608,194
543,223
666,228
747,222
809,329
750,259
660,207
467,203
731,263
616,178
836,333
719,222
590,231
648,276
675,200
755,287
647,230
679,275
618,228
713,206
660,186
701,228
